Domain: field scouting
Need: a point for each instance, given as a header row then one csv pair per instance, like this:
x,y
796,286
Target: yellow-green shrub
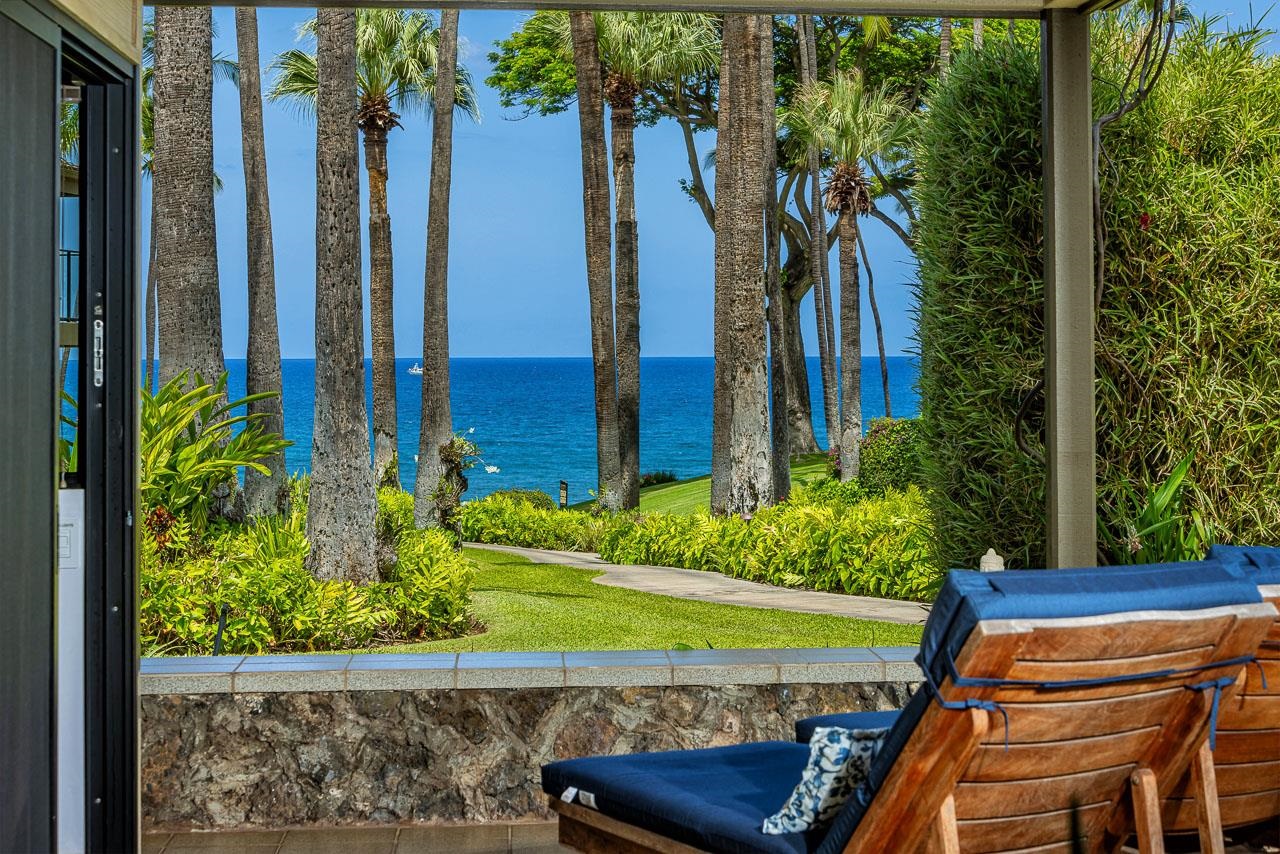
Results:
x,y
874,547
516,522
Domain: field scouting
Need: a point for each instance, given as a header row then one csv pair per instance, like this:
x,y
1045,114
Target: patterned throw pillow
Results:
x,y
839,760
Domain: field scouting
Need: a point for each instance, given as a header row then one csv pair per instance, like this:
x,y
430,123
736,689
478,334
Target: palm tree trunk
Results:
x,y
340,512
850,348
977,33
381,312
150,366
595,208
776,314
740,287
944,46
437,415
627,287
799,404
190,311
819,252
264,495
875,314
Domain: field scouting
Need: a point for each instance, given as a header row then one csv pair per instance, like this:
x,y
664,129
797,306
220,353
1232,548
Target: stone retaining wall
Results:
x,y
285,741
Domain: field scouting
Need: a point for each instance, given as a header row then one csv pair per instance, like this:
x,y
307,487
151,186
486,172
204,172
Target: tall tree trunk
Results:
x,y
850,348
340,513
818,254
977,33
799,404
875,315
381,311
264,495
596,225
149,320
622,98
740,289
437,415
779,424
190,309
944,46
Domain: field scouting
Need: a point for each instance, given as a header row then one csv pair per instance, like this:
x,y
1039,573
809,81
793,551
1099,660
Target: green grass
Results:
x,y
528,607
687,496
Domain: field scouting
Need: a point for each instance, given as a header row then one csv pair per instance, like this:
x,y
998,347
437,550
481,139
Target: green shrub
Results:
x,y
1189,327
875,547
890,455
534,497
274,605
656,478
516,522
395,515
827,490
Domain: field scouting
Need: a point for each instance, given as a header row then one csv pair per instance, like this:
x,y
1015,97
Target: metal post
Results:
x,y
564,494
1068,260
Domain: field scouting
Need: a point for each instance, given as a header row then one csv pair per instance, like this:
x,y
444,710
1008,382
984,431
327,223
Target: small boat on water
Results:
x,y
416,370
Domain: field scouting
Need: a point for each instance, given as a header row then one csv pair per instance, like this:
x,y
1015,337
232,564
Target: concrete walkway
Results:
x,y
714,587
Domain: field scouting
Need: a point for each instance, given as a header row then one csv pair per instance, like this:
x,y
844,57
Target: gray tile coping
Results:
x,y
496,670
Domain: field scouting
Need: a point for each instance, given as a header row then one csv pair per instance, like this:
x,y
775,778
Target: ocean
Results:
x,y
535,419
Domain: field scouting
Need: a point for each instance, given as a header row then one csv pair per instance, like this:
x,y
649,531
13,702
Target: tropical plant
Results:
x,y
857,125
535,497
342,502
185,242
436,424
263,496
1151,526
192,445
396,56
515,521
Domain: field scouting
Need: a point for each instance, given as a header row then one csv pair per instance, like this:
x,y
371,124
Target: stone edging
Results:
x,y
490,670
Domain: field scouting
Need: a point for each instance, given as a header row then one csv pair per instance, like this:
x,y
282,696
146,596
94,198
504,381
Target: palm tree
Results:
x,y
637,49
775,311
977,33
396,59
855,124
595,211
186,250
263,494
944,46
341,507
437,416
741,455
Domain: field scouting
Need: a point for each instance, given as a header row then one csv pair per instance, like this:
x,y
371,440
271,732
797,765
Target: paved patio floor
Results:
x,y
714,587
539,838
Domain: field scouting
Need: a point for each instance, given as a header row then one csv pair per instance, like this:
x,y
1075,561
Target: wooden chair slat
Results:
x,y
980,836
1024,797
593,832
1256,745
1051,671
1236,810
1258,711
1106,641
1244,778
992,763
1033,722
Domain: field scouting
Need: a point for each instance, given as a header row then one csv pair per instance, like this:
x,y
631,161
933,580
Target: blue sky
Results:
x,y
516,268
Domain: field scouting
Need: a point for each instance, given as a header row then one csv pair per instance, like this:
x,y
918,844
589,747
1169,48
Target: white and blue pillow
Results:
x,y
839,761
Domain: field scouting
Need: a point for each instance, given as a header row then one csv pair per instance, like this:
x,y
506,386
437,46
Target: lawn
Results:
x,y
528,606
686,496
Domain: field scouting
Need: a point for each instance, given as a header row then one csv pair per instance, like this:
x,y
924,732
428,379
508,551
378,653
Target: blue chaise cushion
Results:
x,y
716,799
1260,564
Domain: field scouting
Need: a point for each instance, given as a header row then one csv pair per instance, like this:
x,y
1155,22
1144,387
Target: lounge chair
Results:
x,y
1246,759
1055,707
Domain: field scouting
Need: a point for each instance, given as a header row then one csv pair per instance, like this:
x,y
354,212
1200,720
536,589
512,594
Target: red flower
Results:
x,y
1144,221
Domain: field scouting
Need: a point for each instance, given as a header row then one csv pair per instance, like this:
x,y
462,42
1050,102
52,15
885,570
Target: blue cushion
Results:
x,y
970,597
716,799
848,720
1261,564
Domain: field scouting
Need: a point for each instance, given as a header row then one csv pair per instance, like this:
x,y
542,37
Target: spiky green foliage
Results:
x,y
395,64
1188,336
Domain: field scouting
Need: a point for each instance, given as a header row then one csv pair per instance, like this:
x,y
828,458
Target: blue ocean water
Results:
x,y
535,418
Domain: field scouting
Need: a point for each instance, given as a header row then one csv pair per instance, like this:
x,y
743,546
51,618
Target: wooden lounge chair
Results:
x,y
1246,758
1056,707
